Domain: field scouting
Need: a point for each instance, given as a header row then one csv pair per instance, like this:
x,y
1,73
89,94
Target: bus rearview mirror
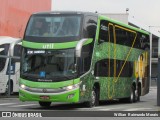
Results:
x,y
79,47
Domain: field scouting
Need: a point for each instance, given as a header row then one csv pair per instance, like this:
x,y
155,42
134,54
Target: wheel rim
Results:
x,y
93,98
136,95
132,95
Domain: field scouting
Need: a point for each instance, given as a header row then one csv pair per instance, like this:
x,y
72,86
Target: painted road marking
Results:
x,y
7,104
137,109
108,109
23,105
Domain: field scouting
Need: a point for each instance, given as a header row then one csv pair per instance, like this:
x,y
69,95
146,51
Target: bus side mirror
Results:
x,y
79,47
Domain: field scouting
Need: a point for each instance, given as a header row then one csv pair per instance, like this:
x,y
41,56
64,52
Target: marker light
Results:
x,y
70,96
22,86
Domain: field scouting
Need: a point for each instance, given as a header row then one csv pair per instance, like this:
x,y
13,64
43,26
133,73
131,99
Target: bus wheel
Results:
x,y
7,88
132,97
94,98
44,104
139,93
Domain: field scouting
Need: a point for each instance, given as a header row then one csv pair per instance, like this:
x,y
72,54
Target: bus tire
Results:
x,y
44,104
94,98
139,93
11,88
132,97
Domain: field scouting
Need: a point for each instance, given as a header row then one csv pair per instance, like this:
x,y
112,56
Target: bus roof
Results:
x,y
7,39
65,12
93,14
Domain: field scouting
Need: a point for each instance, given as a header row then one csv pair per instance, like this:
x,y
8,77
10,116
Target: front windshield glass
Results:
x,y
56,65
54,26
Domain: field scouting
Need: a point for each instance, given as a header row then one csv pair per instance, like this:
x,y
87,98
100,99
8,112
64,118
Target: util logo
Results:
x,y
48,46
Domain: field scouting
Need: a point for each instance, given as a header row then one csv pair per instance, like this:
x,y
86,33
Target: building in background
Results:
x,y
123,17
14,15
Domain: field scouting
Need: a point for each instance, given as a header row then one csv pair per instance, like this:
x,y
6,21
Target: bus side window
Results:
x,y
121,36
86,57
124,37
103,33
101,68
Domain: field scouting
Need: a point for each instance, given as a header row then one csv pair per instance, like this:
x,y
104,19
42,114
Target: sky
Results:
x,y
146,12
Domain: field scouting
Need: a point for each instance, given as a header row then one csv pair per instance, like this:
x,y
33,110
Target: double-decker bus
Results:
x,y
9,73
78,57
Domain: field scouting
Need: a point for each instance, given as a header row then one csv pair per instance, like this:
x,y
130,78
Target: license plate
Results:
x,y
44,97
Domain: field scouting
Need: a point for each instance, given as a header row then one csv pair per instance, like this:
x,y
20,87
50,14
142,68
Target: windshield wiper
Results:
x,y
69,77
62,76
29,76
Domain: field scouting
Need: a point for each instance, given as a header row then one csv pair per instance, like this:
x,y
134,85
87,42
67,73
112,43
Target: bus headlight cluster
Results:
x,y
71,87
22,86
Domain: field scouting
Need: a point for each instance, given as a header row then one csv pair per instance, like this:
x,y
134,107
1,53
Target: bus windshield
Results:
x,y
55,65
54,26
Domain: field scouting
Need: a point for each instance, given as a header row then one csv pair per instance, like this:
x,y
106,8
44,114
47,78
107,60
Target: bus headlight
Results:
x,y
22,86
71,87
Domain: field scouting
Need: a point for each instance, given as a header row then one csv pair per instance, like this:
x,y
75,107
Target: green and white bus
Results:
x,y
81,57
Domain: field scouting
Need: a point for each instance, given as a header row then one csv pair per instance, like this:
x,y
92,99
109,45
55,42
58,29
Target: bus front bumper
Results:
x,y
71,96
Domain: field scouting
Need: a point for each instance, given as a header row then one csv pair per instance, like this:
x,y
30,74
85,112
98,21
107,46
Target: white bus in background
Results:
x,y
5,43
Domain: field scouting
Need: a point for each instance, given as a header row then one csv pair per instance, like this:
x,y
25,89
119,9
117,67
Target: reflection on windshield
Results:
x,y
49,63
54,26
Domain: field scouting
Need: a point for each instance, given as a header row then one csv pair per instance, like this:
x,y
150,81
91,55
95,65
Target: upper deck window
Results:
x,y
54,26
